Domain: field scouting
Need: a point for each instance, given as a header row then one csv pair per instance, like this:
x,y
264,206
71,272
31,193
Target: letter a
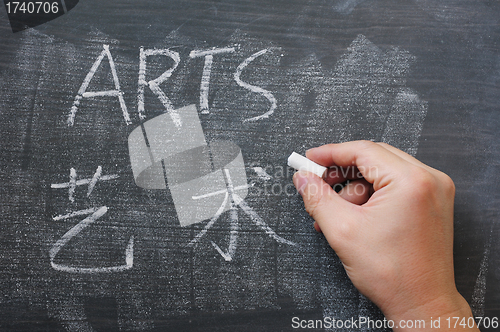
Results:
x,y
111,93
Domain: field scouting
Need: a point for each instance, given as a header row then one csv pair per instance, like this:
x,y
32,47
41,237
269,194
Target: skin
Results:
x,y
392,228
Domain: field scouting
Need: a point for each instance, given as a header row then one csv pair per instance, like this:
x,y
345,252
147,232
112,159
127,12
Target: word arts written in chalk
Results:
x,y
154,85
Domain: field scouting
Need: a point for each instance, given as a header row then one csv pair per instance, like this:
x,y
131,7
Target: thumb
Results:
x,y
321,202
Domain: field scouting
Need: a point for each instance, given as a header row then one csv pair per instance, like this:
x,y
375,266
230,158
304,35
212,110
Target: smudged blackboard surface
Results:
x,y
423,75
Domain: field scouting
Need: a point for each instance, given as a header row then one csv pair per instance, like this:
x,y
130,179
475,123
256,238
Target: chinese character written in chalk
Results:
x,y
93,215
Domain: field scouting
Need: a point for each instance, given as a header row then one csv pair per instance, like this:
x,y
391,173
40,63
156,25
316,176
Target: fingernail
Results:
x,y
300,180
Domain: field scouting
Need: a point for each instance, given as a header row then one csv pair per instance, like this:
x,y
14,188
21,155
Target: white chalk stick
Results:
x,y
301,163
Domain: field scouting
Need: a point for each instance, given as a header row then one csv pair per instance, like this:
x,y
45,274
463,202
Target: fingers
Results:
x,y
440,176
377,164
321,202
403,155
356,192
328,208
338,174
370,166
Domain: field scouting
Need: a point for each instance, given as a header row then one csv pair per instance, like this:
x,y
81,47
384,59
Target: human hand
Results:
x,y
391,226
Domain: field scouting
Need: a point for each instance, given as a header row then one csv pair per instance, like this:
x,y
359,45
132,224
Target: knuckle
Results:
x,y
362,153
447,183
423,181
365,144
431,185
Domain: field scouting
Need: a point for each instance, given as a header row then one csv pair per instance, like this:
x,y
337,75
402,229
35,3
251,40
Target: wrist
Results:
x,y
440,314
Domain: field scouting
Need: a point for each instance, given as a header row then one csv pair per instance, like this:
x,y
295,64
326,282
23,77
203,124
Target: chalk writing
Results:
x,y
235,201
154,85
254,88
207,69
94,215
82,92
73,183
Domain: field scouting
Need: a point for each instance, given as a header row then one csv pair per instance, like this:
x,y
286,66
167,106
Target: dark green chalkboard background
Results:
x,y
423,75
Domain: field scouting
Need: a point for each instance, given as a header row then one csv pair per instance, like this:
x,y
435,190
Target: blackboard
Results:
x,y
85,247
